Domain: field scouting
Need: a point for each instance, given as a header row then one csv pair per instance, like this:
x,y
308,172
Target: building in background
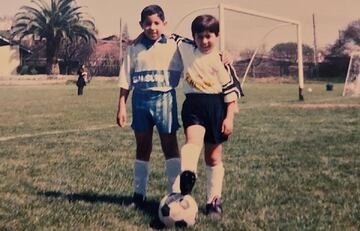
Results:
x,y
11,55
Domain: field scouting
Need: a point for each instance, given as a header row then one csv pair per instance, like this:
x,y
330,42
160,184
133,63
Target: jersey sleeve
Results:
x,y
125,71
180,40
231,85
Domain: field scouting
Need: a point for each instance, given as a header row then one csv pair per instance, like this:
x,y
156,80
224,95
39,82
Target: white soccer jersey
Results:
x,y
151,65
204,73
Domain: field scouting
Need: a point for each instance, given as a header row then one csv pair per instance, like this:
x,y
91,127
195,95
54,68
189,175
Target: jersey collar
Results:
x,y
149,43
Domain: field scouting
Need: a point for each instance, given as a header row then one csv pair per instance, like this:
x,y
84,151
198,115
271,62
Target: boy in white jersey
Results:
x,y
152,70
208,110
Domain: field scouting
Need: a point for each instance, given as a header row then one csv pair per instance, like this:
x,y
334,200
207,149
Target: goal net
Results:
x,y
352,82
249,36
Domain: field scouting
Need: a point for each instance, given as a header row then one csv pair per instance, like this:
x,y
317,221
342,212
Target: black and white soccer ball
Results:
x,y
177,210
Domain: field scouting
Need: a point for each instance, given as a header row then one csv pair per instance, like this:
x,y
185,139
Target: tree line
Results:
x,y
62,31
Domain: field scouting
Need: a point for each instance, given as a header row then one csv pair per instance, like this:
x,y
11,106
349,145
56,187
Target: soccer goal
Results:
x,y
352,82
238,24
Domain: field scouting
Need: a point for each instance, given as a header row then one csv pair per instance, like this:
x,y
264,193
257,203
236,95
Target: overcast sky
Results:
x,y
241,31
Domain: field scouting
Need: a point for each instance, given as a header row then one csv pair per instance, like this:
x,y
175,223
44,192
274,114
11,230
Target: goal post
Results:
x,y
352,81
221,11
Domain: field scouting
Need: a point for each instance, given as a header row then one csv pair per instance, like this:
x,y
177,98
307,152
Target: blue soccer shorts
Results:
x,y
154,108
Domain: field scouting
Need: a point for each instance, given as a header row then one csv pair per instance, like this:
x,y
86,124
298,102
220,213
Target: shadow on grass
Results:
x,y
150,208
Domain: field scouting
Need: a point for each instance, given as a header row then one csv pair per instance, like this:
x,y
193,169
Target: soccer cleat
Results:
x,y
187,182
138,201
214,209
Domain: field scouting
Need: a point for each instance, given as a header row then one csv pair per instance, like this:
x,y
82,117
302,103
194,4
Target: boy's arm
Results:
x,y
126,70
121,113
180,39
235,79
228,123
231,85
125,86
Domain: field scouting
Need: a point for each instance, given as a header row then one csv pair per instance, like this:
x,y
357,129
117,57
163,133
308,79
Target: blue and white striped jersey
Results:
x,y
151,65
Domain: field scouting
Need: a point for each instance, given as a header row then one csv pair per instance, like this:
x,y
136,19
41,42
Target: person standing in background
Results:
x,y
81,82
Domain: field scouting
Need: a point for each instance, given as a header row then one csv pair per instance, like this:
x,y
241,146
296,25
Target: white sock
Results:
x,y
215,176
141,175
172,171
190,156
189,159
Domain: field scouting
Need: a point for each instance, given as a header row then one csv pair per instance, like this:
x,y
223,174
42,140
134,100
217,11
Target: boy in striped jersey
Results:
x,y
208,110
152,69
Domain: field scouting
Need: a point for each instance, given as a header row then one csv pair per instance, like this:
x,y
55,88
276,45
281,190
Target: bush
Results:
x,y
26,70
33,71
23,70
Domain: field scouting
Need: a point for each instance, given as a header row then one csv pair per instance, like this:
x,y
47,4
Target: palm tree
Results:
x,y
60,21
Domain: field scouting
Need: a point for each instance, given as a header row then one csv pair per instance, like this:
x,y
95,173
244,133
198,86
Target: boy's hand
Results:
x,y
227,126
121,118
226,58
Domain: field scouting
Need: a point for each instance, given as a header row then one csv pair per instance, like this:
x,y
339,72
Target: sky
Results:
x,y
241,31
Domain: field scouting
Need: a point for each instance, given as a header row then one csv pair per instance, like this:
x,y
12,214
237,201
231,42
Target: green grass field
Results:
x,y
290,165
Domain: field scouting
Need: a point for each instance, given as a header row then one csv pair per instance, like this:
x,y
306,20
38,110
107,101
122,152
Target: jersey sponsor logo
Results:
x,y
201,84
155,78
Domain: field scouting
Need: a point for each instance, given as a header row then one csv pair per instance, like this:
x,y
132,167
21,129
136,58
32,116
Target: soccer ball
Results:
x,y
178,210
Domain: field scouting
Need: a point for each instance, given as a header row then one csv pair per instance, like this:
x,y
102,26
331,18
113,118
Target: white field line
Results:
x,y
55,132
6,138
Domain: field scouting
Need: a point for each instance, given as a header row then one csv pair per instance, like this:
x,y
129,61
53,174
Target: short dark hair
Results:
x,y
150,10
204,23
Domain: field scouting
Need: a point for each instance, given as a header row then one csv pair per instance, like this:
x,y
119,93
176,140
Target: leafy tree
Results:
x,y
59,21
106,60
286,54
348,41
76,52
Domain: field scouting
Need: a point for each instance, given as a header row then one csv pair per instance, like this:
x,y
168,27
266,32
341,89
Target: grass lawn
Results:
x,y
290,165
